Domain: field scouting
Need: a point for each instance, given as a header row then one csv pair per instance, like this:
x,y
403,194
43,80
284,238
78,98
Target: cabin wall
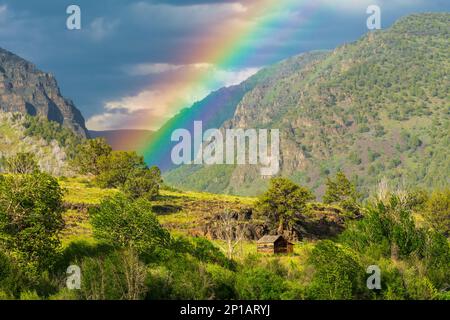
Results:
x,y
280,246
265,247
280,249
290,248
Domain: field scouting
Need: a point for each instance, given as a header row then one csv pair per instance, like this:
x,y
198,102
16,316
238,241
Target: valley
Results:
x,y
363,181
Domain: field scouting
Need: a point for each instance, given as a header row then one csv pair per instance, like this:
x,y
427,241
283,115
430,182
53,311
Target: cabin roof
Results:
x,y
269,239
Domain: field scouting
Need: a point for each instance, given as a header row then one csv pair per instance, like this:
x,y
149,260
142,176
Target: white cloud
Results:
x,y
107,121
3,9
238,7
150,108
151,68
226,77
101,27
4,13
229,78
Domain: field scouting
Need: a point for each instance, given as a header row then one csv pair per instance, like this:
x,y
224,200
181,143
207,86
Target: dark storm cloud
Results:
x,y
89,64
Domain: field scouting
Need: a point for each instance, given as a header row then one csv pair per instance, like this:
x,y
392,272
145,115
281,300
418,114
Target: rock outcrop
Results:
x,y
25,89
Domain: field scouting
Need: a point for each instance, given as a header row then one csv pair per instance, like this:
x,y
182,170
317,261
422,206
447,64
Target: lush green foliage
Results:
x,y
437,211
21,163
88,155
388,231
134,257
337,275
51,130
259,283
143,183
128,224
283,203
116,168
30,218
117,275
342,192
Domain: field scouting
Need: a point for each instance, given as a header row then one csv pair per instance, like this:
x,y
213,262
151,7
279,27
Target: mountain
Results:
x,y
123,140
217,108
376,108
27,90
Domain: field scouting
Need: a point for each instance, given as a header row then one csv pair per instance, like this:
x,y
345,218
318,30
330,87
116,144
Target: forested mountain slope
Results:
x,y
378,107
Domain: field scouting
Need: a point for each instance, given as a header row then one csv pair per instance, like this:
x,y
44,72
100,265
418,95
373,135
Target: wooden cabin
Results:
x,y
274,245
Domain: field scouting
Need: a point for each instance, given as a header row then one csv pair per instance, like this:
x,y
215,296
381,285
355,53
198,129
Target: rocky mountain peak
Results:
x,y
26,89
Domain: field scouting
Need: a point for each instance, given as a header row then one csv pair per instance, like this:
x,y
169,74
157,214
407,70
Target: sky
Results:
x,y
134,64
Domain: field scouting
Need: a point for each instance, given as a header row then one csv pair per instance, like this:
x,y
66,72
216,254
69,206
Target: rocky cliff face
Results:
x,y
25,89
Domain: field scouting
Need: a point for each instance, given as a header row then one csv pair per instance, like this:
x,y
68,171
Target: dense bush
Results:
x,y
30,219
342,192
388,226
337,273
388,232
128,224
143,183
259,283
283,203
21,163
437,211
119,275
88,155
116,168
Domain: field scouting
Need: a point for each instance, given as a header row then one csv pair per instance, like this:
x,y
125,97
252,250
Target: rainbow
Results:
x,y
234,48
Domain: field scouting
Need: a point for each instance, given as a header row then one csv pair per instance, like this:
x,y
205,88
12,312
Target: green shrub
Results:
x,y
418,287
21,163
117,276
282,203
88,155
181,277
392,283
223,282
436,260
337,273
125,223
258,283
205,251
116,168
65,294
29,295
143,183
388,226
437,211
31,209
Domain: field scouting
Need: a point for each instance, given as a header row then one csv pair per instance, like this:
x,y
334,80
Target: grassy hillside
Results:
x,y
181,212
375,108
